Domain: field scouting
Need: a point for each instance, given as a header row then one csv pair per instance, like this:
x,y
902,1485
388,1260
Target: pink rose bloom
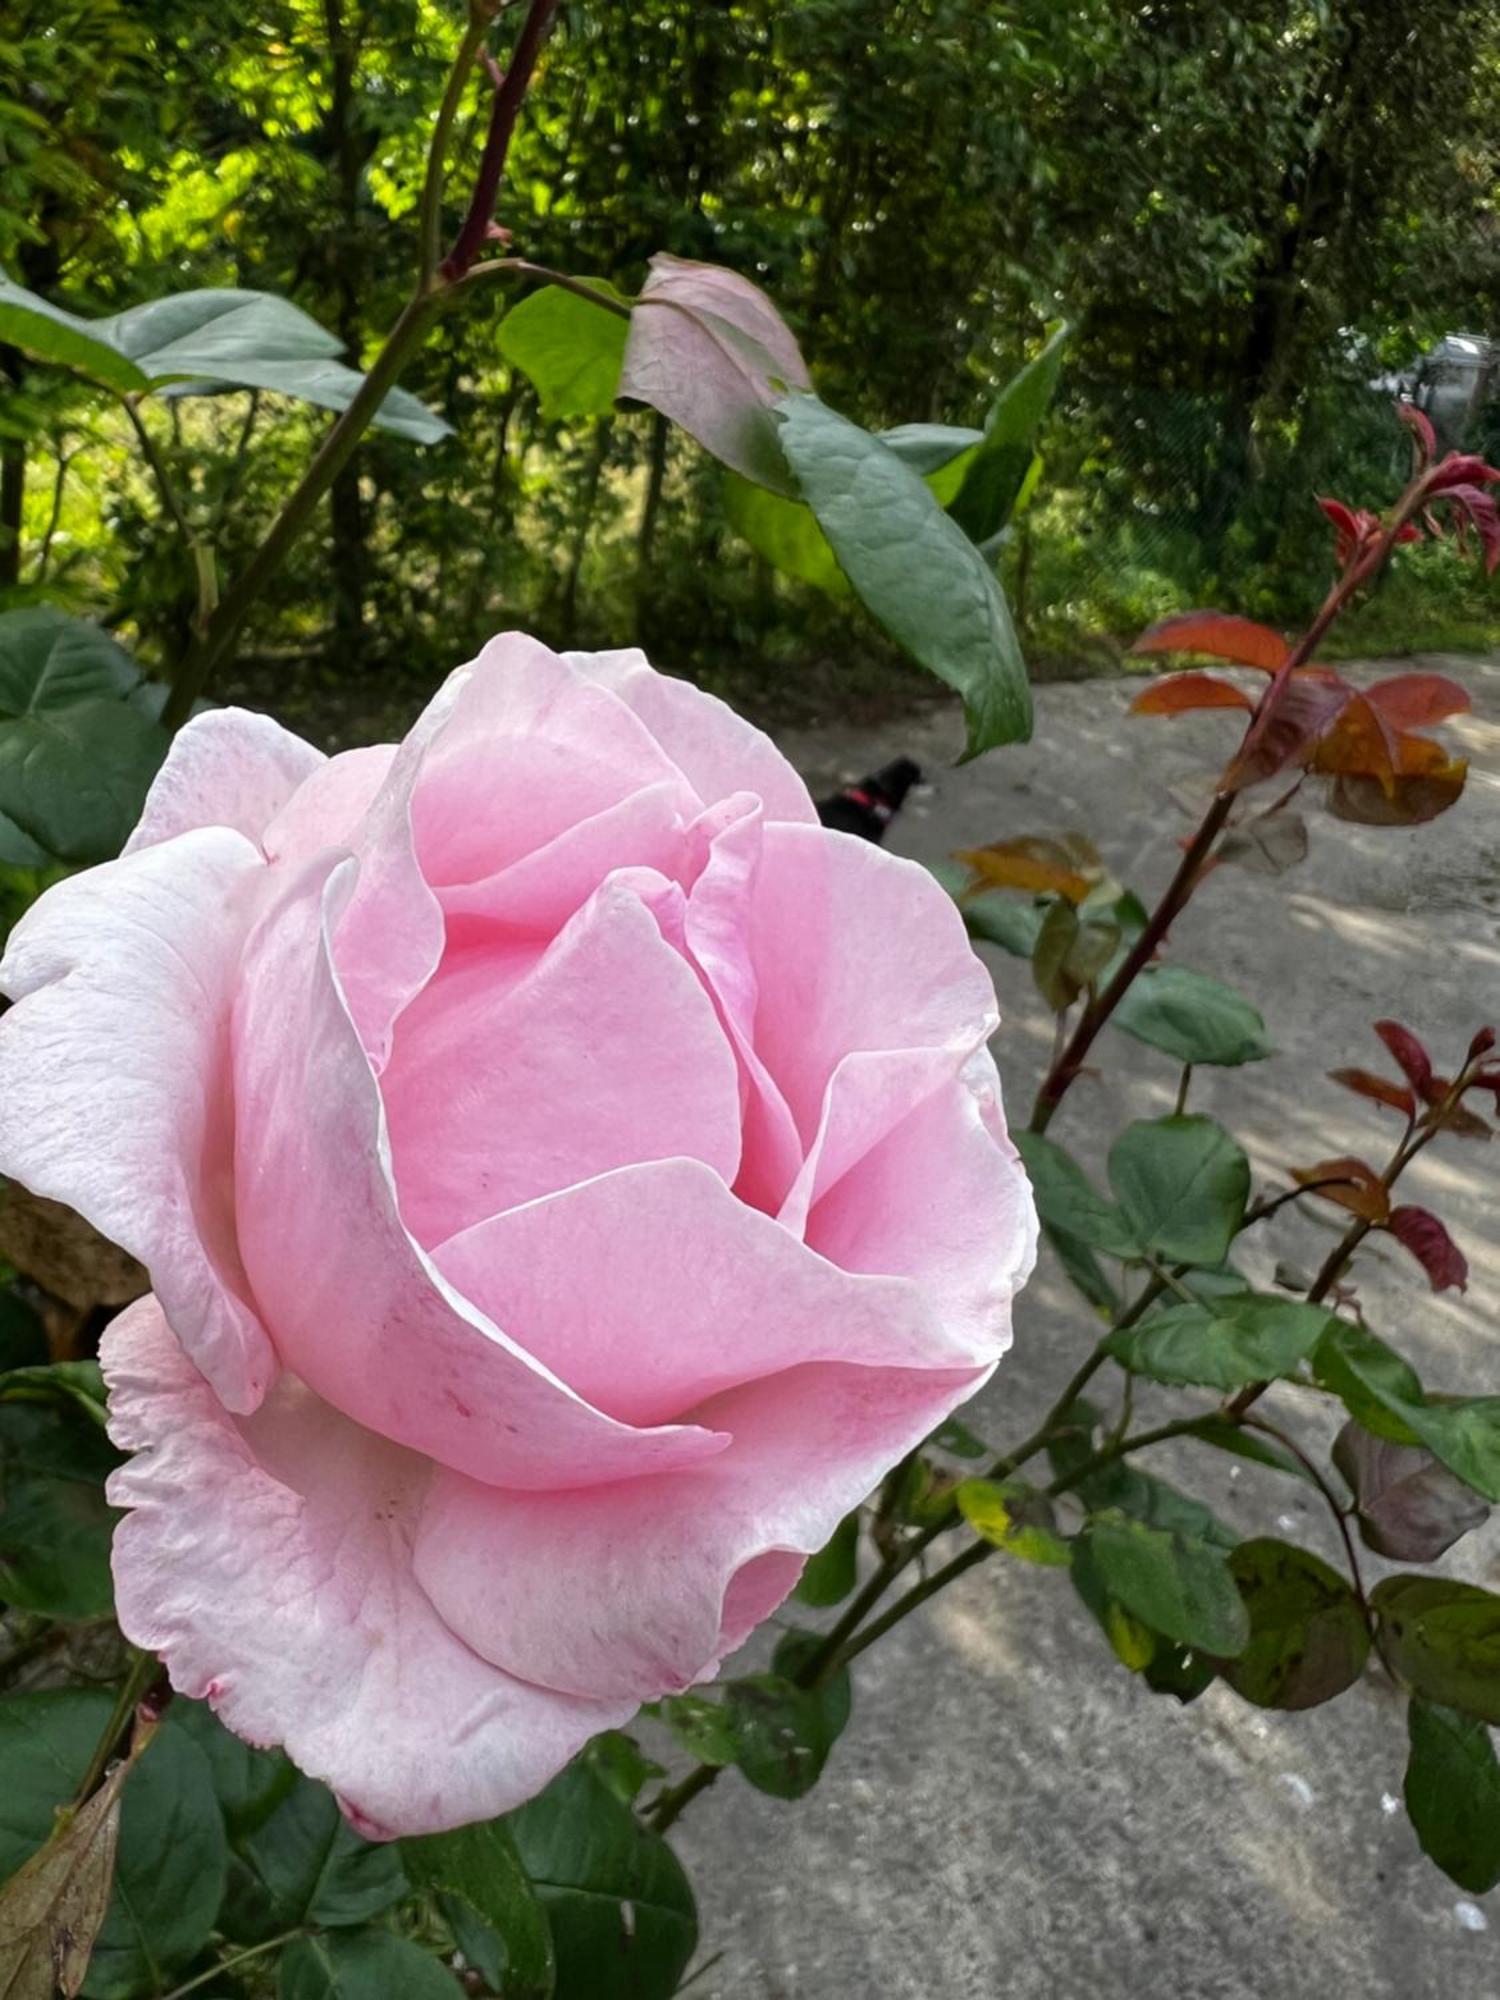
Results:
x,y
569,1176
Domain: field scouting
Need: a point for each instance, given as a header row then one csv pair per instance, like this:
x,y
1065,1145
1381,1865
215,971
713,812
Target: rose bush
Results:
x,y
570,1177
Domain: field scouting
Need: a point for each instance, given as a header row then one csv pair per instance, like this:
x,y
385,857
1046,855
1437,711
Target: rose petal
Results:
x,y
532,748
114,1076
702,1293
327,809
228,767
357,1310
855,950
940,1198
717,750
536,895
642,1587
511,1079
268,1562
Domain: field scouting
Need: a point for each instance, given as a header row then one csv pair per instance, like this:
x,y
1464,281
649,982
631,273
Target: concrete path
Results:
x,y
1010,1813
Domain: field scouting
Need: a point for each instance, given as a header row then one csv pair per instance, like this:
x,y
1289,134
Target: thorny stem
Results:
x,y
510,90
1066,1067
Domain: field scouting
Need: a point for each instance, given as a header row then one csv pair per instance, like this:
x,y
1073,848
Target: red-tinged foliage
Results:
x,y
1419,1231
1476,509
1481,1045
1409,801
1412,701
1352,1184
1040,866
1305,708
1220,634
1355,529
1177,694
1461,1121
1365,1083
1489,1079
1414,1061
1423,436
1461,468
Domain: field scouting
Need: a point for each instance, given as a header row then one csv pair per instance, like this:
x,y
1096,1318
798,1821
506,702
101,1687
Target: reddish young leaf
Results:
x,y
1416,1064
1178,693
1359,741
1365,1083
1481,1045
1306,707
1409,801
1354,1185
1462,468
1217,632
1489,1079
1419,1231
1412,701
1349,526
1479,509
1423,437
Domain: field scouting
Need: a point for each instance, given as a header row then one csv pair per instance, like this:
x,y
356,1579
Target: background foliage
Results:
x,y
1247,212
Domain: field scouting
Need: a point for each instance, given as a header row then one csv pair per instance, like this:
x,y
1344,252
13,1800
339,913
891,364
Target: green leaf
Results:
x,y
623,1920
304,1863
1252,1337
1132,1642
916,572
955,1437
785,532
477,1874
1068,1201
832,1573
998,469
1453,1793
1178,1585
620,1761
55,1524
248,1783
1191,1017
783,1733
52,334
702,1726
1378,1389
169,1869
1013,1516
209,340
1444,1638
570,350
76,755
361,1965
1000,920
1182,1184
1146,1498
1308,1638
1234,1438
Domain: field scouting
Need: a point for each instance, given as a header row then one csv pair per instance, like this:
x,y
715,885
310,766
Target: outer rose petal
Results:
x,y
327,810
717,750
650,1289
855,950
228,767
510,1081
115,1087
642,1587
268,1562
358,1312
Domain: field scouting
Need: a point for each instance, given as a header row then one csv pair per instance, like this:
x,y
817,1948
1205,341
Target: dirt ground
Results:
x,y
1009,1812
